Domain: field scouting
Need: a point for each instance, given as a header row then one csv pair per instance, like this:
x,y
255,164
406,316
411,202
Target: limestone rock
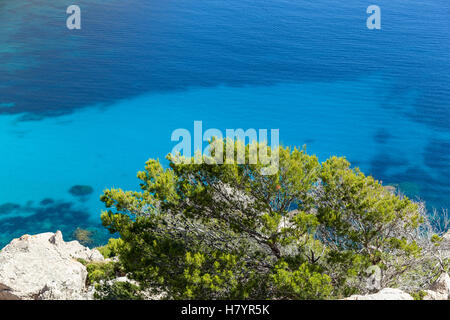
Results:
x,y
75,249
433,295
384,294
5,293
446,243
442,284
447,236
43,266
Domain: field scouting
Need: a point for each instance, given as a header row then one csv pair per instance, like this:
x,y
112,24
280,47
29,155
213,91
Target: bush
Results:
x,y
202,231
419,295
117,291
111,249
101,270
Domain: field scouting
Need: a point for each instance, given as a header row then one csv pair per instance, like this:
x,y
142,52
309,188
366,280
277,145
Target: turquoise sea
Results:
x,y
88,107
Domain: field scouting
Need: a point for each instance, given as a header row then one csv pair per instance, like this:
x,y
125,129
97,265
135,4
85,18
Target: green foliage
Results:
x,y
436,239
213,276
418,295
117,291
358,210
202,231
362,220
304,283
111,249
101,271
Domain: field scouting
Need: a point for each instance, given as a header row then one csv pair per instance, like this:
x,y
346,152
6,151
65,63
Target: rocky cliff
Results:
x,y
44,266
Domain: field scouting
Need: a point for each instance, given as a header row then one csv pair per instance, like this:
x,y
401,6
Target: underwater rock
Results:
x,y
84,236
47,201
8,207
81,191
391,189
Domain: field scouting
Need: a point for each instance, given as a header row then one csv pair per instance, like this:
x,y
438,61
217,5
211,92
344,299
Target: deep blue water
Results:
x,y
89,107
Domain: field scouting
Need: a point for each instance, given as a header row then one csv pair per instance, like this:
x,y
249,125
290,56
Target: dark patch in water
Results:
x,y
437,156
382,136
382,162
47,201
81,190
418,184
49,217
8,208
309,141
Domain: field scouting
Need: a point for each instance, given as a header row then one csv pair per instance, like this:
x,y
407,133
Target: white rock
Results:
x,y
442,284
445,246
75,249
43,266
385,294
447,236
433,295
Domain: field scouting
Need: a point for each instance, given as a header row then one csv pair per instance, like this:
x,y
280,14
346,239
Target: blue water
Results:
x,y
89,107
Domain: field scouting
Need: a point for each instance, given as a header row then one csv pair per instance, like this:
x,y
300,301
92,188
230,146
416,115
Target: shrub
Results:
x,y
111,249
205,231
117,291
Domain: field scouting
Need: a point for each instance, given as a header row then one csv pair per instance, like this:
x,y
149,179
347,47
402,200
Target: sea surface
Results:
x,y
88,107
